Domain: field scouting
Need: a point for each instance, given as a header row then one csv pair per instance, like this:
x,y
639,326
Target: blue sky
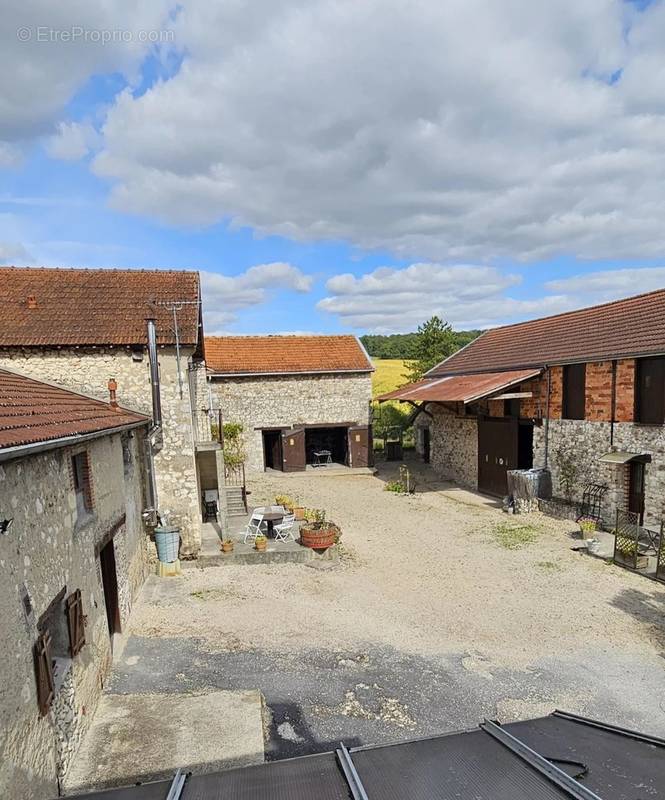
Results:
x,y
504,166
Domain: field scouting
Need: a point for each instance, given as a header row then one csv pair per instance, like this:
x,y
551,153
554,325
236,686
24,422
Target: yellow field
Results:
x,y
389,375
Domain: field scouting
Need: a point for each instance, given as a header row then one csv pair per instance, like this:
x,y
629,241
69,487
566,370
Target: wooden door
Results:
x,y
359,443
497,453
293,450
636,489
110,584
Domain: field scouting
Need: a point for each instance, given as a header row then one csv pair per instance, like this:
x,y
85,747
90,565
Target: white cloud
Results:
x,y
14,254
49,50
73,141
468,129
396,300
224,295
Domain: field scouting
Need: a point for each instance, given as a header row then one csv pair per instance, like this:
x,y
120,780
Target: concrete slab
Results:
x,y
145,737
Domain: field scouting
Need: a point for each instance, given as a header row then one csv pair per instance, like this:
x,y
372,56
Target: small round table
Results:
x,y
270,516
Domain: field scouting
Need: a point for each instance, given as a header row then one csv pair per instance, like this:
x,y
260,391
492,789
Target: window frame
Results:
x,y
82,484
570,407
655,414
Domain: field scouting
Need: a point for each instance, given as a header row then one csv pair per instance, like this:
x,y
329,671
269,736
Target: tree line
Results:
x,y
405,345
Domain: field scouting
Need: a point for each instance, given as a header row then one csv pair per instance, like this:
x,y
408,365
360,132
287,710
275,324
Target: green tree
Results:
x,y
435,341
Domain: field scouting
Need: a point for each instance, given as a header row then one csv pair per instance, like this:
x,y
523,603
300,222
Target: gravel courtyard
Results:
x,y
436,616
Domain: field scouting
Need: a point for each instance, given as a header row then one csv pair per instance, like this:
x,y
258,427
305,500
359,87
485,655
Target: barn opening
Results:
x,y
272,449
333,440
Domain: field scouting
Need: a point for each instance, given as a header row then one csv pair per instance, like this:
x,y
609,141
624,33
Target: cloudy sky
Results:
x,y
335,165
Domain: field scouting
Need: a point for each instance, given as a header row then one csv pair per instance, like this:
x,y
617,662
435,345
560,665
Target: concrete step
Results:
x,y
233,491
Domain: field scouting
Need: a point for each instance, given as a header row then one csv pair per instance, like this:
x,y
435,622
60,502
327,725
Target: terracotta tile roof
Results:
x,y
31,411
622,329
459,388
94,306
279,355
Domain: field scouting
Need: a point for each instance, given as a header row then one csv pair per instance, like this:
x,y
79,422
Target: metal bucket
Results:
x,y
167,540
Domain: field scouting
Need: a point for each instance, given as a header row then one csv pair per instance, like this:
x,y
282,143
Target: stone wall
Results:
x,y
585,441
88,370
45,550
285,401
454,446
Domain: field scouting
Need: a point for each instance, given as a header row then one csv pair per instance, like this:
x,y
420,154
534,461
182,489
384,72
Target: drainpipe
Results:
x,y
547,415
614,402
156,431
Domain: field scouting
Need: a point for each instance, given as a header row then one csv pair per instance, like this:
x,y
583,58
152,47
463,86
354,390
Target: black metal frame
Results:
x,y
592,501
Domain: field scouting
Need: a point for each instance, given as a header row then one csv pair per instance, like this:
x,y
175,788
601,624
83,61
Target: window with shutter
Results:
x,y
650,391
574,391
44,672
75,623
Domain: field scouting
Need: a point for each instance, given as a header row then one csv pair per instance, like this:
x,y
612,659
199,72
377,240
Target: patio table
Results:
x,y
271,515
322,458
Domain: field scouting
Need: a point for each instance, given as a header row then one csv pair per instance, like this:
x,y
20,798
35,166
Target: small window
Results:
x,y
511,408
574,389
650,391
82,485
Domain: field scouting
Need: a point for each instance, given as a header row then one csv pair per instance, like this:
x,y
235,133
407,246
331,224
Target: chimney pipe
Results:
x,y
154,374
32,301
113,386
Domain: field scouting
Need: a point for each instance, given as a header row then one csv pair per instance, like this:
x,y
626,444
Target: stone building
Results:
x,y
295,396
80,327
581,393
73,486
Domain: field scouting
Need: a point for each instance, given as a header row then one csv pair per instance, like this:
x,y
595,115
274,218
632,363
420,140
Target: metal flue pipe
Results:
x,y
154,374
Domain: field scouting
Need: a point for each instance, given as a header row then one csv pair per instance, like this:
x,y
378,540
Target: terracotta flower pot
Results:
x,y
227,546
318,538
260,544
299,512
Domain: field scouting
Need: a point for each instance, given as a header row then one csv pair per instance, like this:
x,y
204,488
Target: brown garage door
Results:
x,y
497,453
293,450
360,446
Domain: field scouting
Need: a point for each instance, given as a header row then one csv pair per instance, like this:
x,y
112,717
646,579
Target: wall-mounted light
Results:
x,y
5,525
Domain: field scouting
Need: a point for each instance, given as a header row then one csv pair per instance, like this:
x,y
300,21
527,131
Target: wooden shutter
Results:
x,y
574,391
75,622
650,395
44,672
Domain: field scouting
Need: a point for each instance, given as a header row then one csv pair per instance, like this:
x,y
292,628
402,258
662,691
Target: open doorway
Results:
x,y
272,449
332,440
110,585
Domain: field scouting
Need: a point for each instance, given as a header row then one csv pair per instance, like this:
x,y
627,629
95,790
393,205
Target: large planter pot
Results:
x,y
167,541
318,538
299,512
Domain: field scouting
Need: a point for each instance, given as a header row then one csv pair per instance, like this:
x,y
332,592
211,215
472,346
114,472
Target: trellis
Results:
x,y
626,539
660,555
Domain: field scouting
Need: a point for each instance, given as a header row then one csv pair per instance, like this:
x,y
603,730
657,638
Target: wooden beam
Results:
x,y
512,396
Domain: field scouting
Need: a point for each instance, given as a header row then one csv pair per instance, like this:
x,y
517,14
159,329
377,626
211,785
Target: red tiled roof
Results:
x,y
622,329
94,306
459,388
31,411
279,355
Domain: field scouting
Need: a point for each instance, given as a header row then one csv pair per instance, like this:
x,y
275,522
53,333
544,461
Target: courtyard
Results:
x,y
441,611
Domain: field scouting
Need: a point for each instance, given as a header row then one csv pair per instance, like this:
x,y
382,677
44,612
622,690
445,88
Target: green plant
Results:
x,y
285,500
315,517
260,539
567,469
234,445
395,486
587,524
627,548
513,537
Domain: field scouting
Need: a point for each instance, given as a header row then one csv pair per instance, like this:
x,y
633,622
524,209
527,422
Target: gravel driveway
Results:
x,y
428,624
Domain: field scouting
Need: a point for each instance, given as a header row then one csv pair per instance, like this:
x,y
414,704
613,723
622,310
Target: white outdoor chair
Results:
x,y
284,531
254,528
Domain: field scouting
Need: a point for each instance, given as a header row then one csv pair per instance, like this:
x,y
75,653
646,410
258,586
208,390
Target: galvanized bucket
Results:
x,y
167,540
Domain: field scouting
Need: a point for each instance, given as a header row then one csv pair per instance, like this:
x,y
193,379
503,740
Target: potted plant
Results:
x,y
316,532
299,510
286,501
227,545
587,525
260,543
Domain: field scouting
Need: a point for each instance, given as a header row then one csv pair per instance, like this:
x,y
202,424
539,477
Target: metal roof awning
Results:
x,y
624,457
460,388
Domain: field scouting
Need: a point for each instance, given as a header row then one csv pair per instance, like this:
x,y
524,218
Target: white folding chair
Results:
x,y
284,531
253,528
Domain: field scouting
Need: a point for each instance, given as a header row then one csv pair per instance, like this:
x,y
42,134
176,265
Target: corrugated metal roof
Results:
x,y
460,388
